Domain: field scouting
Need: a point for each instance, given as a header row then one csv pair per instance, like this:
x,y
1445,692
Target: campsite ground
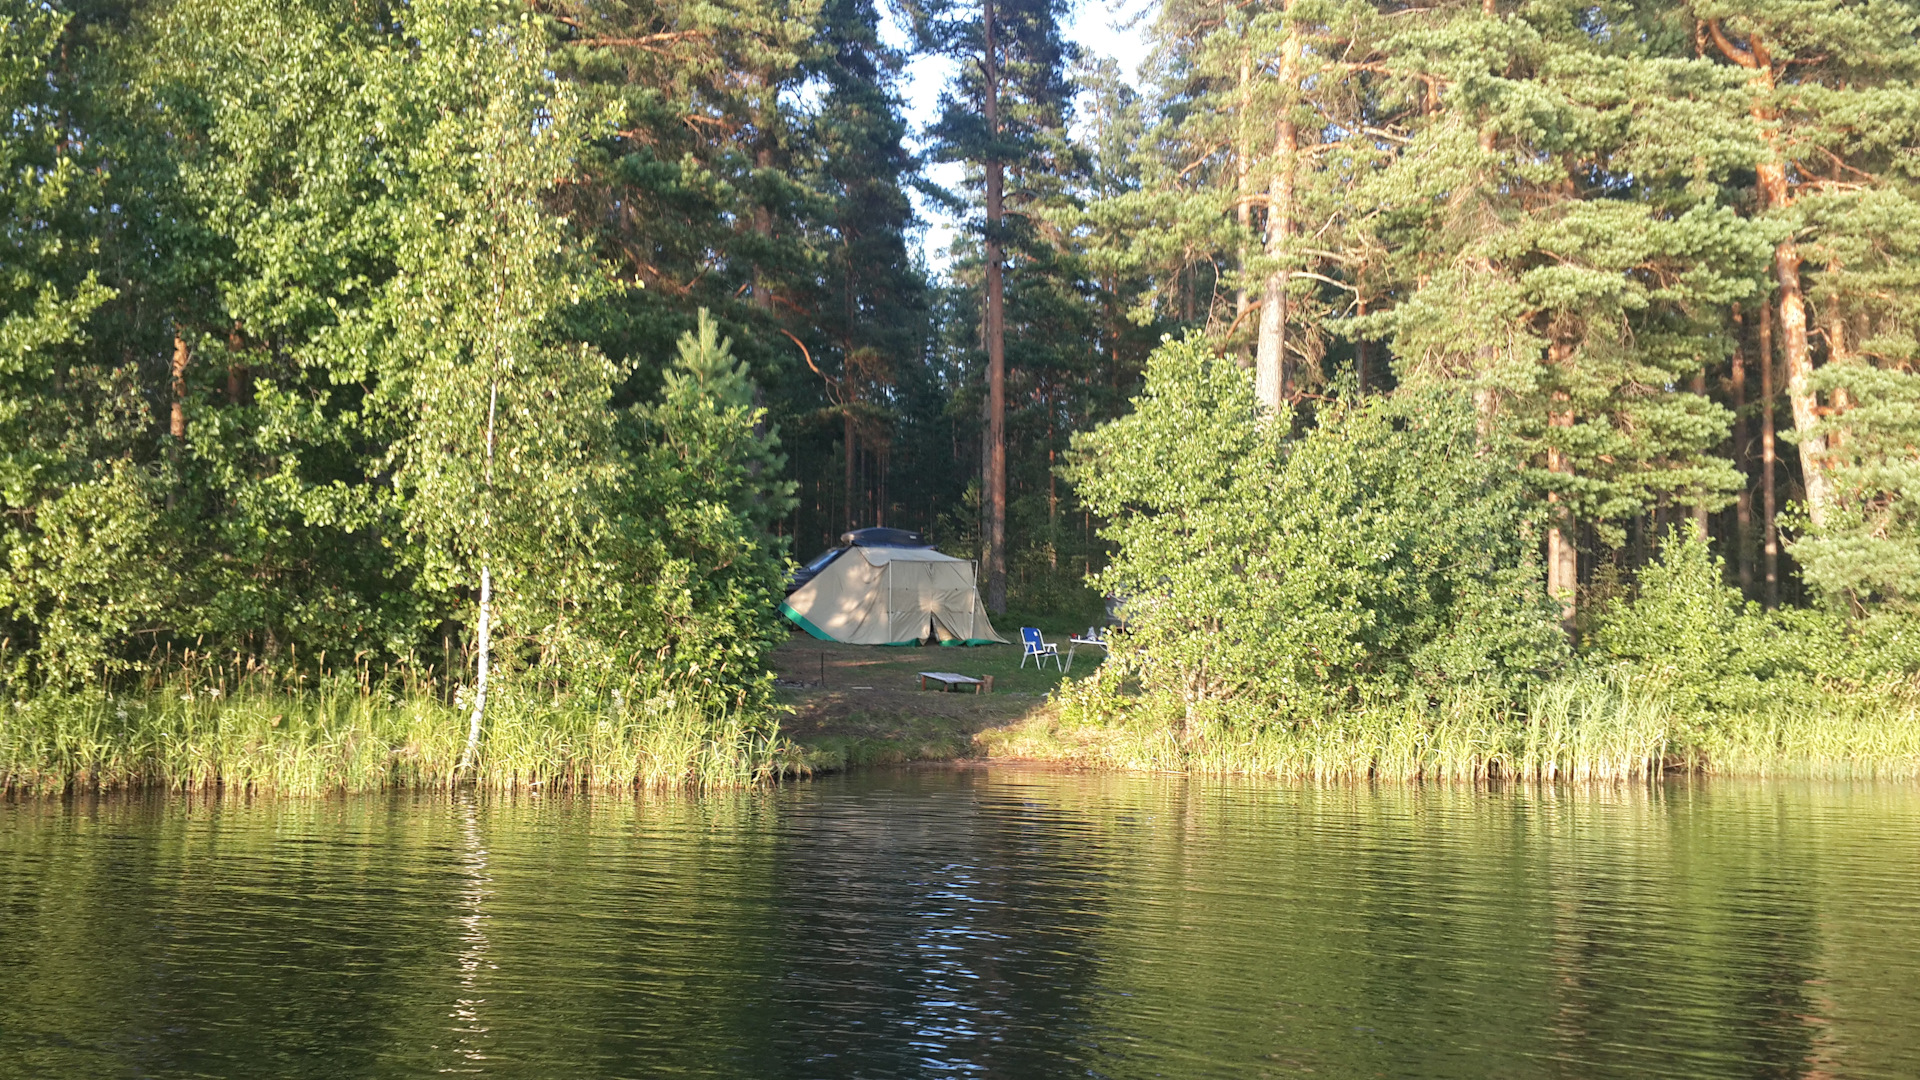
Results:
x,y
862,704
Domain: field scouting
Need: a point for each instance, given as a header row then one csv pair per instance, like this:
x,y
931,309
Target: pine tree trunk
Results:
x,y
763,214
1243,180
1775,196
996,479
1742,455
1770,532
1272,373
846,416
1699,494
177,421
1800,394
1563,560
1360,347
1839,353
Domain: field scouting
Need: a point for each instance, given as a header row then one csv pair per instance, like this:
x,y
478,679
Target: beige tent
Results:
x,y
892,596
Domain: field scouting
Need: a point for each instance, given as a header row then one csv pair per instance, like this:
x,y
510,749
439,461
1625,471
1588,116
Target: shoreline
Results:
x,y
861,708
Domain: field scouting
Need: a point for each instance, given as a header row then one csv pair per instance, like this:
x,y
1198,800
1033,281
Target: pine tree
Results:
x,y
1006,115
1831,98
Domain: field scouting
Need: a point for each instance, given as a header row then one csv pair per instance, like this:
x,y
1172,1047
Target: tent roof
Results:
x,y
883,556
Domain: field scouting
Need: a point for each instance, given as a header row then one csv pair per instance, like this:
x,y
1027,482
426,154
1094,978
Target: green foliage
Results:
x,y
1684,628
74,529
352,259
1723,660
698,579
1867,551
1280,577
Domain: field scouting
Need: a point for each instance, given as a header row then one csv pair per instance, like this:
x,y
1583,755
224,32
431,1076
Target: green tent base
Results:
x,y
798,620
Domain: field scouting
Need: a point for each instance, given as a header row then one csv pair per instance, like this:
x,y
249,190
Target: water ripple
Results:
x,y
961,923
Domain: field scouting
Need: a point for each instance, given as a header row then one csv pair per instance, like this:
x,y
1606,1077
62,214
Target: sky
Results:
x,y
1098,26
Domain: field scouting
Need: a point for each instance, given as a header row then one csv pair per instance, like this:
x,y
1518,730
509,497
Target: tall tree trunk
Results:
x,y
1800,394
1776,195
1360,347
177,421
1770,532
1486,400
1563,559
177,417
1272,373
1699,494
236,371
996,479
763,160
1839,353
484,636
847,436
1243,180
1742,454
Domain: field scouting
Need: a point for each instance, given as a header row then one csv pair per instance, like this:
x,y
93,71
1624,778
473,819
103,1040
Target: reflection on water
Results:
x,y
986,922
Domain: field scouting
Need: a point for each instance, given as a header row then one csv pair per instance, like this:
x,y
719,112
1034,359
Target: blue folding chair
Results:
x,y
1032,644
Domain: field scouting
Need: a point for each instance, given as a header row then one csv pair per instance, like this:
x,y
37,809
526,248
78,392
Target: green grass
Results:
x,y
347,737
1598,726
1836,733
804,659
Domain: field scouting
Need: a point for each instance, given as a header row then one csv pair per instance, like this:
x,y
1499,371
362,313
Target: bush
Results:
x,y
1273,576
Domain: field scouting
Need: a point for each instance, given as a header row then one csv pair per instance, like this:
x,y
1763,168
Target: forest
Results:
x,y
1442,388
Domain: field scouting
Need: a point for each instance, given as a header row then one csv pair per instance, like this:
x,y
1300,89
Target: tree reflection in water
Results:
x,y
970,922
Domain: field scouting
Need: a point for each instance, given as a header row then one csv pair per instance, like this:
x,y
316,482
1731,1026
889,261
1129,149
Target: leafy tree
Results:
x,y
1379,552
77,524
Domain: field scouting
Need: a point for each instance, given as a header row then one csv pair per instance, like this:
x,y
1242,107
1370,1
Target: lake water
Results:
x,y
971,922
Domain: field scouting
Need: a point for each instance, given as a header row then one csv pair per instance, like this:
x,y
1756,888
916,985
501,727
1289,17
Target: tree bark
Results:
x,y
484,637
1742,455
1776,195
1273,382
470,756
1563,559
1699,494
996,478
1360,348
1800,394
1770,533
236,371
177,421
1243,181
763,160
848,436
1839,353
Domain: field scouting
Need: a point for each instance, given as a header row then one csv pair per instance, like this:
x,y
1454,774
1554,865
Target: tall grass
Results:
x,y
351,734
1833,732
1605,725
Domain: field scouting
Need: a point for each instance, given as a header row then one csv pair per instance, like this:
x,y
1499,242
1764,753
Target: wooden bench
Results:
x,y
948,680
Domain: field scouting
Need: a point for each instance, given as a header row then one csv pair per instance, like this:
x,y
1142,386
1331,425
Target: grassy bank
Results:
x,y
350,738
862,707
1607,726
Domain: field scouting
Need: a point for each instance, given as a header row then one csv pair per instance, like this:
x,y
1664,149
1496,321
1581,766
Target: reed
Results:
x,y
351,735
1831,732
1598,725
